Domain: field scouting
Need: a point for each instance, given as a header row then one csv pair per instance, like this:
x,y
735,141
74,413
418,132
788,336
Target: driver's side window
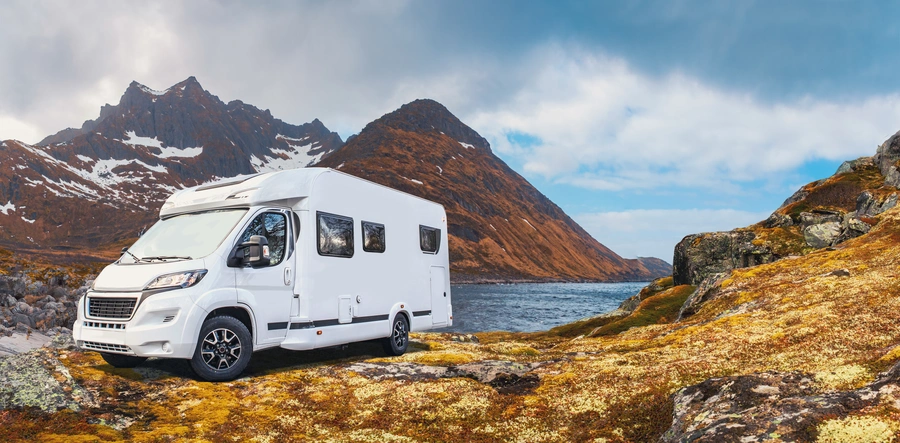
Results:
x,y
272,226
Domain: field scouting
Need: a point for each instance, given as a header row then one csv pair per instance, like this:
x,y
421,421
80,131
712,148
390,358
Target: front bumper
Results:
x,y
156,329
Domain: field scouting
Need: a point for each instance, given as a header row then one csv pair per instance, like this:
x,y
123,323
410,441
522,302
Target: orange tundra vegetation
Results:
x,y
588,382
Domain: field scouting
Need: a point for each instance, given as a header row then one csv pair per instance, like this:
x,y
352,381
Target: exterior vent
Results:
x,y
168,318
103,307
106,347
97,324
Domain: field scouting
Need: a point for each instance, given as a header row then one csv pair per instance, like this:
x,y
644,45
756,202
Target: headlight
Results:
x,y
177,280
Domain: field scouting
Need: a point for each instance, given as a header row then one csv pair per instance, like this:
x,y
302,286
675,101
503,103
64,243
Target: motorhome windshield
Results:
x,y
183,237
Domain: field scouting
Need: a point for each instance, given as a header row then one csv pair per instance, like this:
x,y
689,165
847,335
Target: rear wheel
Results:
x,y
122,361
397,343
223,350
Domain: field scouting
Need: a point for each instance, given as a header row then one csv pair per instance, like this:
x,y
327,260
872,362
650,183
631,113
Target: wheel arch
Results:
x,y
241,313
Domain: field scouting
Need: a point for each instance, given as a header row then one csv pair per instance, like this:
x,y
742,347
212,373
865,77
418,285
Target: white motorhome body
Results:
x,y
346,260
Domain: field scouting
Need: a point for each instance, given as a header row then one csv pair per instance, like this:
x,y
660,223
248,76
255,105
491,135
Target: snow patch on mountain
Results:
x,y
466,145
103,174
134,140
297,157
152,91
172,152
7,207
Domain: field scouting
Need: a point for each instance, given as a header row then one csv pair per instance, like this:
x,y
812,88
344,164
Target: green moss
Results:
x,y
582,327
660,308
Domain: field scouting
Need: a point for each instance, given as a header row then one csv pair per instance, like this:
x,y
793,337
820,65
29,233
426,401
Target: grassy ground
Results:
x,y
611,383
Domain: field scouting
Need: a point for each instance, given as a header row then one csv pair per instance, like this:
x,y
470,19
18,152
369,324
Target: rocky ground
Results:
x,y
801,349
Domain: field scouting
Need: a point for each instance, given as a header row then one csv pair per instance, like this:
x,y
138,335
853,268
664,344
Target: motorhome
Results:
x,y
302,259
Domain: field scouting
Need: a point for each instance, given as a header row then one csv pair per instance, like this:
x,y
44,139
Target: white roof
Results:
x,y
243,191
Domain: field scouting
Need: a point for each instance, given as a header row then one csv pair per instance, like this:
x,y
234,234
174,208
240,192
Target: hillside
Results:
x,y
501,228
821,214
83,189
787,351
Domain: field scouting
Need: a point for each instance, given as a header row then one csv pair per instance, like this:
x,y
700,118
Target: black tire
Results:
x,y
122,361
398,341
223,349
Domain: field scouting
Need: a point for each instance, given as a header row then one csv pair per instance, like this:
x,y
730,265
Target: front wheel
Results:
x,y
397,343
223,351
122,361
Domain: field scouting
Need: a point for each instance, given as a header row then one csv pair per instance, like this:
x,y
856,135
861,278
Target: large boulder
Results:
x,y
886,159
822,234
699,256
870,205
709,288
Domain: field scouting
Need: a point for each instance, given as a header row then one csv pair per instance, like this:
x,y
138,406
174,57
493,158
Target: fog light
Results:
x,y
165,347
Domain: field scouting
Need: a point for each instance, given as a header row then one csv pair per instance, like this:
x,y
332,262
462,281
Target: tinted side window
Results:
x,y
429,239
373,237
272,226
335,235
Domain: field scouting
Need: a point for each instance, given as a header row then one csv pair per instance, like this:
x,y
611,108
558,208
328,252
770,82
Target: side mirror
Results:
x,y
254,252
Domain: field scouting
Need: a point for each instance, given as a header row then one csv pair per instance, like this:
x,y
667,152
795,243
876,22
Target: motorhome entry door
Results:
x,y
438,295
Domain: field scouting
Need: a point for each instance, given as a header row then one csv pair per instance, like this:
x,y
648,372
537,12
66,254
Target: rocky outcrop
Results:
x,y
821,214
506,377
37,379
708,289
756,407
886,159
699,256
27,305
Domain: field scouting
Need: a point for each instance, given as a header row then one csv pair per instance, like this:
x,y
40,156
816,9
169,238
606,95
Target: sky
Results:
x,y
644,120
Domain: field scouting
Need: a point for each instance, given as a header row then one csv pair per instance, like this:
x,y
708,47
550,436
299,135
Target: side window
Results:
x,y
335,235
429,239
373,237
272,226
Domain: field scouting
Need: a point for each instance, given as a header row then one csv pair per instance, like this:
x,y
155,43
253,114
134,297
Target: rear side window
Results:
x,y
373,237
335,235
429,239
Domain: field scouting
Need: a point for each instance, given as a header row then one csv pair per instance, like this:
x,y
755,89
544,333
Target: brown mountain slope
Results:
x,y
501,227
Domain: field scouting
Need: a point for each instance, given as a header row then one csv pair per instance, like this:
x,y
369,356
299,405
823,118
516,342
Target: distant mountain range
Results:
x,y
96,187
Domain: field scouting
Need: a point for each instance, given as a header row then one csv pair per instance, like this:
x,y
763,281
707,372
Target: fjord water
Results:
x,y
529,307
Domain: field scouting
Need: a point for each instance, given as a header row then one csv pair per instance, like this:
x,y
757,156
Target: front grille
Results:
x,y
106,347
103,307
97,324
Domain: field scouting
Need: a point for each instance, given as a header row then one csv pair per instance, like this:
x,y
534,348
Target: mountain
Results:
x,y
99,184
500,227
92,189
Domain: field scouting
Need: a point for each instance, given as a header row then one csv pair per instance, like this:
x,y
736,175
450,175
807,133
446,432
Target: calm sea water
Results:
x,y
532,307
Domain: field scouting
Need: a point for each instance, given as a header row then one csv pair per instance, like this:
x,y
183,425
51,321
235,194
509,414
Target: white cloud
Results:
x,y
655,232
603,125
13,128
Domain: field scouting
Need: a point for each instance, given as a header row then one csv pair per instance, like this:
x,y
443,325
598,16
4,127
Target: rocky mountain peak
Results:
x,y
429,116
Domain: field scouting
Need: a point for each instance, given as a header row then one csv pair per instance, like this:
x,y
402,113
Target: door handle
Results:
x,y
287,276
445,294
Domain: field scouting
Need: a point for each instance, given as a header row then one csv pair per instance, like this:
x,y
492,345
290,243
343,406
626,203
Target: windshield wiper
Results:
x,y
167,257
136,258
